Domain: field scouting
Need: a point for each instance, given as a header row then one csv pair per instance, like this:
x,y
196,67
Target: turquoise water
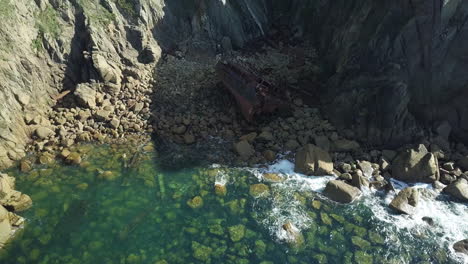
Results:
x,y
106,211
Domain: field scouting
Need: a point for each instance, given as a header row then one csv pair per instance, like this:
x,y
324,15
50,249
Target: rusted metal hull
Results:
x,y
253,94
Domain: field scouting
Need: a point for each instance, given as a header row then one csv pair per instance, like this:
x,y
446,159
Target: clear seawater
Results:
x,y
105,211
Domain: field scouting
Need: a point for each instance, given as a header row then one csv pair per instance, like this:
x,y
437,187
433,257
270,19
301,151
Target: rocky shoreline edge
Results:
x,y
93,113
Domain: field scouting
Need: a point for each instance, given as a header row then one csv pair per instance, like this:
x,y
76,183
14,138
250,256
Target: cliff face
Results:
x,y
394,66
391,66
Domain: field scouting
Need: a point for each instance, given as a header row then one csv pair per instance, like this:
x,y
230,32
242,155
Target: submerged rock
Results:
x,y
294,236
340,191
416,165
195,203
259,190
458,189
312,160
237,232
272,177
220,189
201,252
406,201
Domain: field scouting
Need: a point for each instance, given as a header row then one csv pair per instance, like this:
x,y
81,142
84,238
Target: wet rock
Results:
x,y
44,132
269,155
244,149
345,177
25,166
291,145
458,189
273,177
428,220
259,190
236,233
220,189
406,201
294,236
312,160
340,191
416,165
16,201
358,180
85,96
195,203
461,246
450,166
366,168
344,145
74,158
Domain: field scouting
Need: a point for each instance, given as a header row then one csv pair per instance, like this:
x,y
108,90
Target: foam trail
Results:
x,y
450,218
257,21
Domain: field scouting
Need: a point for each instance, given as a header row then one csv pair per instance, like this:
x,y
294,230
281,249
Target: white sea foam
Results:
x,y
451,219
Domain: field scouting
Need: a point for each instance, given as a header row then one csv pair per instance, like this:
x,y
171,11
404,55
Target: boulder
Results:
x,y
458,189
406,201
109,72
416,165
461,246
244,149
14,200
312,160
5,226
358,180
340,191
44,132
85,96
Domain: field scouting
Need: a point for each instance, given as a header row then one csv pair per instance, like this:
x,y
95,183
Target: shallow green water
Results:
x,y
102,212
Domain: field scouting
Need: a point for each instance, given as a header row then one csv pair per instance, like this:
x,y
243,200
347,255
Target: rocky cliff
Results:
x,y
391,67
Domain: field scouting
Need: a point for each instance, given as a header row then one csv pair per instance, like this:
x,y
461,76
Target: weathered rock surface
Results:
x,y
416,165
244,149
458,189
312,160
44,132
406,201
85,95
341,192
461,246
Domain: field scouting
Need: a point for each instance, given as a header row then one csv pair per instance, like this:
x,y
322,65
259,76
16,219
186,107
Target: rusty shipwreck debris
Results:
x,y
253,94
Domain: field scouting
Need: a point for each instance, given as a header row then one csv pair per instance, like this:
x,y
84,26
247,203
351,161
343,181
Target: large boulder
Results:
x,y
14,200
85,96
244,149
340,191
458,189
5,226
312,160
461,246
44,132
108,71
406,201
416,165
